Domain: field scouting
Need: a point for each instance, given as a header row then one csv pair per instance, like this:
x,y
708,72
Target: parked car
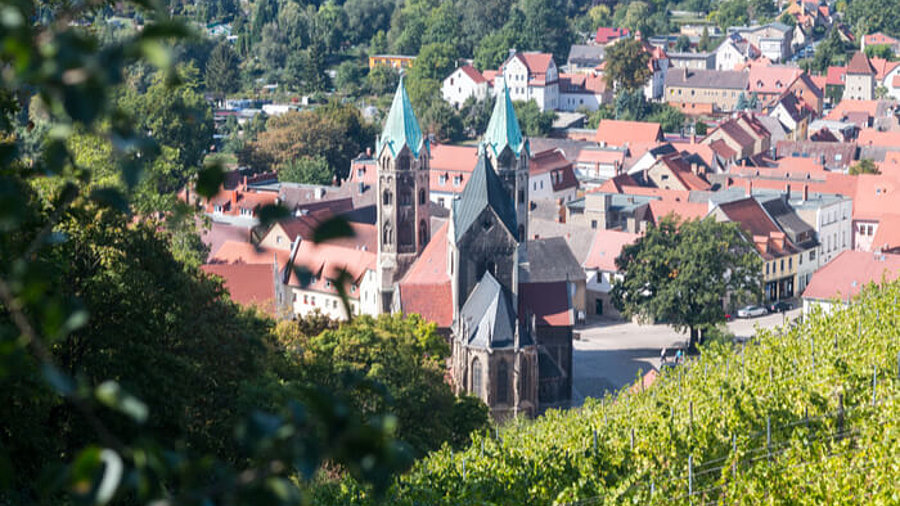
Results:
x,y
780,306
751,311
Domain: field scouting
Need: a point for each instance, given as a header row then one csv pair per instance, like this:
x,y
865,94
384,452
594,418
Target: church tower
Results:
x,y
403,217
508,151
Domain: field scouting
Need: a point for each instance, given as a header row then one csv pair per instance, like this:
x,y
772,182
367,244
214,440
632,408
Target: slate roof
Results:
x,y
798,230
551,260
717,79
484,189
503,128
401,126
586,56
489,317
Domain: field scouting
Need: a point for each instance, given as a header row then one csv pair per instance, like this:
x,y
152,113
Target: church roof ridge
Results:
x,y
401,126
484,189
503,128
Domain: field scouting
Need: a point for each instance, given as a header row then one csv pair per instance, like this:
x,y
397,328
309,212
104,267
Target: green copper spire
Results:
x,y
503,129
401,126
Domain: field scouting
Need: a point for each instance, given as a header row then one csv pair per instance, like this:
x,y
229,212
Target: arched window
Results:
x,y
422,197
388,234
502,382
386,197
403,163
423,233
526,379
406,230
405,197
476,377
521,233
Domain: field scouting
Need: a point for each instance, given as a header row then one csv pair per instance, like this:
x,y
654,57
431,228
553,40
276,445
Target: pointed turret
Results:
x,y
503,129
401,127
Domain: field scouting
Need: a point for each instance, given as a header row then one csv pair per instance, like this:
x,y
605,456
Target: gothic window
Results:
x,y
422,197
521,233
521,196
476,377
403,163
388,234
386,197
526,379
423,233
502,382
405,198
406,233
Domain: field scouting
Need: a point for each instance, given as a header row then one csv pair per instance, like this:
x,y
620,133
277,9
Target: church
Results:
x,y
511,341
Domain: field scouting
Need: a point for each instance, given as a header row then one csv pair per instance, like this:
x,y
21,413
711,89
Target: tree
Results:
x,y
753,104
883,51
435,61
349,78
635,17
476,114
631,105
829,52
382,80
365,18
683,43
627,65
314,77
732,13
704,43
306,170
222,72
700,128
872,16
545,28
668,117
406,357
680,272
534,123
864,166
742,103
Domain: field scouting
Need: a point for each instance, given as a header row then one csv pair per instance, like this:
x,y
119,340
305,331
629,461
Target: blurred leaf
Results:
x,y
304,276
333,228
270,213
112,476
61,382
111,394
110,197
209,179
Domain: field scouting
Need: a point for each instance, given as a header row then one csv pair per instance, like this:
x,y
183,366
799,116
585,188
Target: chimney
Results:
x,y
761,242
777,239
368,152
511,52
693,138
749,187
245,183
805,192
787,190
234,198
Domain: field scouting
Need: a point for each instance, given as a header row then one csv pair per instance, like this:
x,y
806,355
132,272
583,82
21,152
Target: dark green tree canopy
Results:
x,y
627,65
680,273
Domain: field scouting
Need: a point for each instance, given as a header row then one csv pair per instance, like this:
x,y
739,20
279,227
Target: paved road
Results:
x,y
610,355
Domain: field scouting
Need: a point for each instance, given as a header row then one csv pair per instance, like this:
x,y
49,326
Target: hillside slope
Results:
x,y
790,418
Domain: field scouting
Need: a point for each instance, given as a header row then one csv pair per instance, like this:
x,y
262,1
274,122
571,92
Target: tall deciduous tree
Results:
x,y
627,65
680,272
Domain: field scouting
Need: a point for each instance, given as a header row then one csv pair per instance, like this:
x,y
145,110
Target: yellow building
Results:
x,y
395,61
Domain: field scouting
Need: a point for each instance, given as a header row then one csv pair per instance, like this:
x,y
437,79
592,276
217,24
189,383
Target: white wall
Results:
x,y
458,87
573,101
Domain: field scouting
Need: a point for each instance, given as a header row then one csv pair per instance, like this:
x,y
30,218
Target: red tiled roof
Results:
x,y
878,38
876,195
600,156
835,76
547,160
425,289
722,149
772,79
882,67
846,106
872,137
845,276
860,64
248,284
473,74
451,163
616,184
606,247
887,237
326,261
548,302
219,233
607,34
234,252
754,220
619,132
681,208
582,83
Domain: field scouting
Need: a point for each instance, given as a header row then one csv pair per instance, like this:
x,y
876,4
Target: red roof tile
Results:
x,y
772,79
425,289
876,195
860,64
887,236
548,302
607,34
248,284
845,276
754,220
872,137
473,74
606,247
619,133
234,252
835,76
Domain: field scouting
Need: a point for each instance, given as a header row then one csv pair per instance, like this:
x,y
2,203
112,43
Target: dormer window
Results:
x,y
457,180
442,179
246,212
217,209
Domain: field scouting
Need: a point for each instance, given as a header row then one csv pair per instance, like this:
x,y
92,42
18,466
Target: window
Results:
x,y
502,382
405,198
360,172
812,255
594,225
246,212
305,299
294,298
476,377
353,288
327,283
403,162
790,263
782,265
441,201
457,180
386,197
312,300
422,197
521,196
217,209
279,239
767,268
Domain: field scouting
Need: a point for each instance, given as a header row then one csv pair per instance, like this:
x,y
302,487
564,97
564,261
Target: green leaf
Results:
x,y
209,179
111,394
110,197
270,213
333,228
